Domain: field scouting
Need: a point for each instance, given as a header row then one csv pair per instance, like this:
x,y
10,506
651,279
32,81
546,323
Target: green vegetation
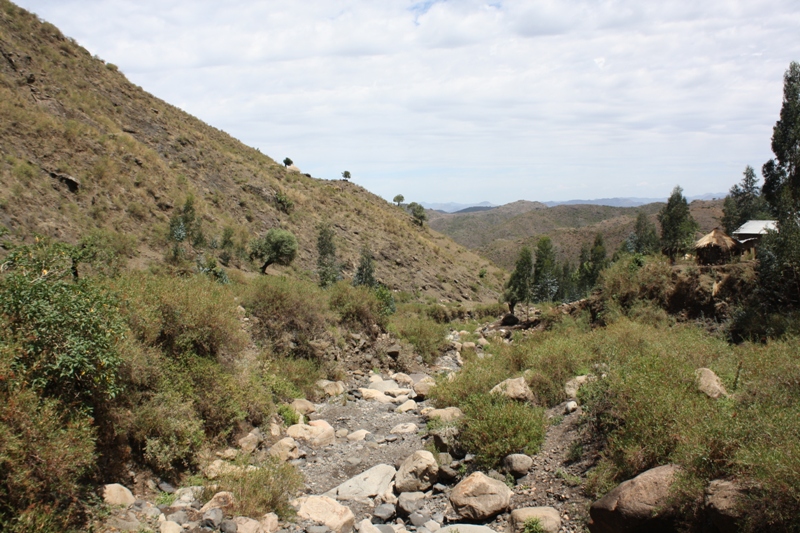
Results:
x,y
417,213
277,246
287,162
644,238
398,199
519,288
265,488
329,269
677,225
744,202
533,525
545,271
365,273
346,175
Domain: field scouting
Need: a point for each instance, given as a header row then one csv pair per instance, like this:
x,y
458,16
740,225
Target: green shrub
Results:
x,y
64,334
357,307
192,314
494,426
44,456
291,313
533,525
289,415
426,335
266,488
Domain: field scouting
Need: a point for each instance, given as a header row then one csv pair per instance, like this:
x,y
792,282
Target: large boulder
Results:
x,y
375,395
448,414
479,497
423,387
368,484
331,388
639,504
514,389
417,473
549,519
302,406
518,464
327,511
709,383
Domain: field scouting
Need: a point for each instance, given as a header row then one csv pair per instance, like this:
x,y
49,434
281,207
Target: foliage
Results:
x,y
287,162
61,336
277,246
289,415
426,335
265,488
519,288
744,202
357,307
782,174
417,213
283,202
545,271
398,199
644,238
185,225
346,175
365,273
291,313
328,268
386,300
494,426
44,455
592,261
533,525
678,227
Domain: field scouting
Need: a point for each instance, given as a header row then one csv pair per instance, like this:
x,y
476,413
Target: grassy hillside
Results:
x,y
83,151
498,234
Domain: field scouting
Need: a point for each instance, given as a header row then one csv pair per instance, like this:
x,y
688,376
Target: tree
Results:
x,y
277,246
346,175
545,271
398,199
644,237
328,267
782,174
593,260
418,212
520,285
744,202
287,162
365,273
677,225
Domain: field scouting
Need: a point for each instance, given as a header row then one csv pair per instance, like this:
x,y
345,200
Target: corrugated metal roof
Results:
x,y
755,227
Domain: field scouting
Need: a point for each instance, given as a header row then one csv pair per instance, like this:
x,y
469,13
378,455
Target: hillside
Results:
x,y
498,234
87,153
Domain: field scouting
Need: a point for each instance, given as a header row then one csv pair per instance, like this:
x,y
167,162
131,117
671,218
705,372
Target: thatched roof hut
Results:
x,y
715,248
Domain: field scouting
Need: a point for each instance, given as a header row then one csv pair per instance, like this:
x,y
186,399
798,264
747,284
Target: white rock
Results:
x,y
372,482
417,473
384,385
286,449
365,526
302,406
358,435
548,518
317,433
376,395
448,414
327,511
410,405
247,525
479,497
331,388
403,379
222,500
571,407
269,522
514,389
170,527
709,383
572,386
116,494
408,427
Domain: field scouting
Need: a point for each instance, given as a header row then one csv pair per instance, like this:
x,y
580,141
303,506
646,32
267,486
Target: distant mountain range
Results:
x,y
453,207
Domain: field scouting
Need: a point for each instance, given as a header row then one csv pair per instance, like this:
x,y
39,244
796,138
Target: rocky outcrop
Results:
x,y
639,504
723,500
480,497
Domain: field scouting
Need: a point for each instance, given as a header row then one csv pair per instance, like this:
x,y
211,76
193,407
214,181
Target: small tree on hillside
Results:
x,y
328,267
398,199
365,273
644,237
277,246
346,175
287,162
677,225
593,261
545,271
520,285
418,213
744,202
782,174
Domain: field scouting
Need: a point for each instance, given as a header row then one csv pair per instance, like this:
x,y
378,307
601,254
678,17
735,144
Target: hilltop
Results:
x,y
498,234
87,153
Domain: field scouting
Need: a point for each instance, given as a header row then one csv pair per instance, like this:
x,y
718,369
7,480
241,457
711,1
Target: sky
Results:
x,y
467,101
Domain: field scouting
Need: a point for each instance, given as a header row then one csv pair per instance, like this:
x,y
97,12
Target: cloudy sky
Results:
x,y
463,100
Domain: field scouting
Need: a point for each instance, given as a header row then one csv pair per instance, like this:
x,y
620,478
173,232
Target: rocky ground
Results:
x,y
369,463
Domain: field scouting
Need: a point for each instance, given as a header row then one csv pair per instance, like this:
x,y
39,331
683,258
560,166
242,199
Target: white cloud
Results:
x,y
468,100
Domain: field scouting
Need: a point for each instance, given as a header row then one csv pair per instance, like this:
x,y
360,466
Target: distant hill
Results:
x,y
452,207
633,202
498,234
474,209
83,151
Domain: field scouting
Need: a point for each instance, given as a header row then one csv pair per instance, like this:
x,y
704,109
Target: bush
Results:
x,y
44,458
266,488
494,426
427,336
180,315
357,307
291,313
64,334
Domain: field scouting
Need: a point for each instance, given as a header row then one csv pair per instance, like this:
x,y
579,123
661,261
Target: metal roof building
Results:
x,y
752,229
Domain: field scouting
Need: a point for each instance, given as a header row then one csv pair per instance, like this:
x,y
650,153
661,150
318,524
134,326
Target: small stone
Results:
x,y
432,526
570,407
166,487
317,529
302,406
116,494
357,435
228,526
212,518
548,518
418,519
384,512
170,527
515,389
180,517
405,407
518,464
221,500
247,525
408,502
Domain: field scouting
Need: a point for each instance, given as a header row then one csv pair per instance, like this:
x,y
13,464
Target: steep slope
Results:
x,y
499,234
85,151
